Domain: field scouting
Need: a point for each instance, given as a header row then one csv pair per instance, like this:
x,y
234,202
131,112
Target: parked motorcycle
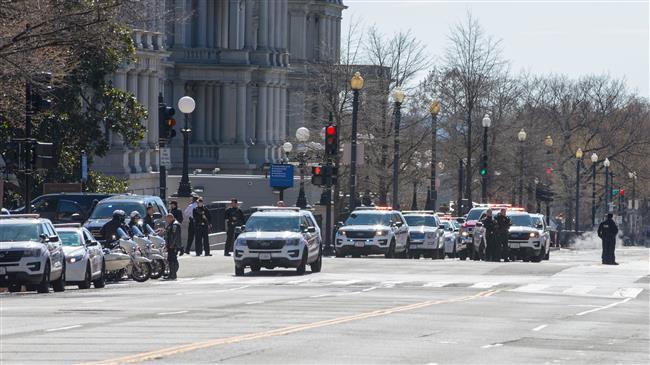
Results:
x,y
139,267
151,247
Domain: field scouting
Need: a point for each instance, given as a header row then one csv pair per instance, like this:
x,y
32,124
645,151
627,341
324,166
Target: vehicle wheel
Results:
x,y
239,270
317,265
256,268
157,269
86,283
15,288
59,285
548,255
300,270
391,250
441,253
101,282
141,272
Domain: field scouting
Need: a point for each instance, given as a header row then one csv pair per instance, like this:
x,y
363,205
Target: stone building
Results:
x,y
245,64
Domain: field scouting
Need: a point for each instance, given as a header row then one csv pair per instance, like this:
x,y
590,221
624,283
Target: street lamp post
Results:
x,y
434,109
487,122
594,159
356,83
302,135
607,193
398,96
578,160
186,105
632,176
521,136
287,147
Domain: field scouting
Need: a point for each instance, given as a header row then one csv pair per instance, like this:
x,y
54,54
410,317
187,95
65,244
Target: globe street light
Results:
x,y
186,105
434,109
594,159
606,163
356,83
521,136
487,122
398,96
578,160
302,135
633,176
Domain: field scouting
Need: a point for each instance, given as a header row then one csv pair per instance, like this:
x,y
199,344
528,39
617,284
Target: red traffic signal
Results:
x,y
316,170
331,140
331,130
622,192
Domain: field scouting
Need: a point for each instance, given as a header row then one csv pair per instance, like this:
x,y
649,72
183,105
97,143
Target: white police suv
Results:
x,y
30,254
526,241
425,235
279,237
373,230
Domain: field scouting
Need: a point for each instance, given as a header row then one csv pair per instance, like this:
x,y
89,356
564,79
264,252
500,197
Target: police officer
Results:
x,y
172,244
607,231
234,218
489,226
173,209
187,213
148,218
134,224
202,219
503,224
109,230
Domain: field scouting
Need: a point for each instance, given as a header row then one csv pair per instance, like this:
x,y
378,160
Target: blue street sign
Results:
x,y
281,176
84,167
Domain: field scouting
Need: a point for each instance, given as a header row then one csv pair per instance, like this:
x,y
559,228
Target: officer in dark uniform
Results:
x,y
503,224
173,209
173,244
234,218
202,219
490,226
109,230
607,231
148,218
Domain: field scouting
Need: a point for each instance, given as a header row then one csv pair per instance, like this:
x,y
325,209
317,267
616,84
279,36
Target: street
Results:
x,y
570,309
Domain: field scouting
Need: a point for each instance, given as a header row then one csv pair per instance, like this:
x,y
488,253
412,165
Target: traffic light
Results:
x,y
615,192
43,155
166,122
622,192
317,176
331,140
39,96
331,175
484,166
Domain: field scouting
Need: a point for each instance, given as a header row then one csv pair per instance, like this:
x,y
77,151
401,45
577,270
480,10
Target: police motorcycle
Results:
x,y
150,244
138,267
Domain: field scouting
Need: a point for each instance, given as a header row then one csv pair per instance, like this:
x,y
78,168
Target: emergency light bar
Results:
x,y
67,225
374,208
12,216
419,212
271,208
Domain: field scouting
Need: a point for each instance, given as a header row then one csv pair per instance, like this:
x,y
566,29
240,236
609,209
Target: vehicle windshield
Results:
x,y
421,220
70,238
273,224
522,220
537,221
368,219
447,224
456,225
14,232
475,214
105,210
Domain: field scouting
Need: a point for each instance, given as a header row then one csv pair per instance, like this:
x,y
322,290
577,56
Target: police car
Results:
x,y
279,237
539,221
525,240
84,256
425,235
373,230
30,254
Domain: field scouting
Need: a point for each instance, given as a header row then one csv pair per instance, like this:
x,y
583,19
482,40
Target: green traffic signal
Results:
x,y
483,172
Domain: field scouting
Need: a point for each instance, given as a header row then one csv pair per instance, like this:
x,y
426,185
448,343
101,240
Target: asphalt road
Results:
x,y
567,310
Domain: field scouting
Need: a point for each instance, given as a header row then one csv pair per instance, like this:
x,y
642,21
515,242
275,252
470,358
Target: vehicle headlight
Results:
x,y
534,234
342,233
240,243
32,252
464,234
75,258
430,235
381,233
293,242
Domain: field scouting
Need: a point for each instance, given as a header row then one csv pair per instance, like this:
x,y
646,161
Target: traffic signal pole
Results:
x,y
26,147
162,143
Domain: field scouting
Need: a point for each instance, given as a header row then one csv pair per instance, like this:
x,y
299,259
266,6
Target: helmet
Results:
x,y
135,215
119,214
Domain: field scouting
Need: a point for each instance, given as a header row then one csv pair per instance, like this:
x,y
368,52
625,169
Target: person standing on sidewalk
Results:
x,y
202,225
173,209
173,244
188,214
234,218
489,227
502,232
607,231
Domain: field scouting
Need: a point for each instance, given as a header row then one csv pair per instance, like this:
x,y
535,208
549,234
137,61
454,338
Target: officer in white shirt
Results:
x,y
187,214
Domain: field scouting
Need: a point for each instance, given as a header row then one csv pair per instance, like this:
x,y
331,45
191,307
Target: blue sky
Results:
x,y
568,37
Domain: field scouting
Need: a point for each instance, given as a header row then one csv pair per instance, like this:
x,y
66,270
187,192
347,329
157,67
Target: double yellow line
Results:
x,y
176,350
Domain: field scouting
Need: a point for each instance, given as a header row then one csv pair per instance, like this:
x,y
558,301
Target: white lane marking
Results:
x,y
391,284
63,328
604,307
579,289
295,282
539,328
492,345
255,302
484,285
369,289
344,282
93,301
435,285
237,288
320,295
627,292
170,313
531,287
350,293
584,305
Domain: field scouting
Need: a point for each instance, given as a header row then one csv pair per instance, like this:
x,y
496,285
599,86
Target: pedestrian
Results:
x,y
202,219
607,231
489,227
173,209
234,218
172,244
148,218
187,213
503,224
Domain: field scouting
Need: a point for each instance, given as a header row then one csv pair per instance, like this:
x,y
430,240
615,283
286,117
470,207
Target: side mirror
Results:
x,y
451,229
239,229
340,224
76,217
44,237
157,215
539,226
53,239
398,224
479,224
442,226
92,243
311,229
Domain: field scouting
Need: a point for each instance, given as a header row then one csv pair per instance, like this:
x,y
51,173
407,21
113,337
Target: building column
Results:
x,y
187,22
218,121
270,123
202,26
261,143
279,139
263,25
233,24
199,122
179,25
321,37
271,23
278,25
250,40
241,113
209,115
210,21
154,89
283,112
337,40
228,114
223,24
284,36
143,98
